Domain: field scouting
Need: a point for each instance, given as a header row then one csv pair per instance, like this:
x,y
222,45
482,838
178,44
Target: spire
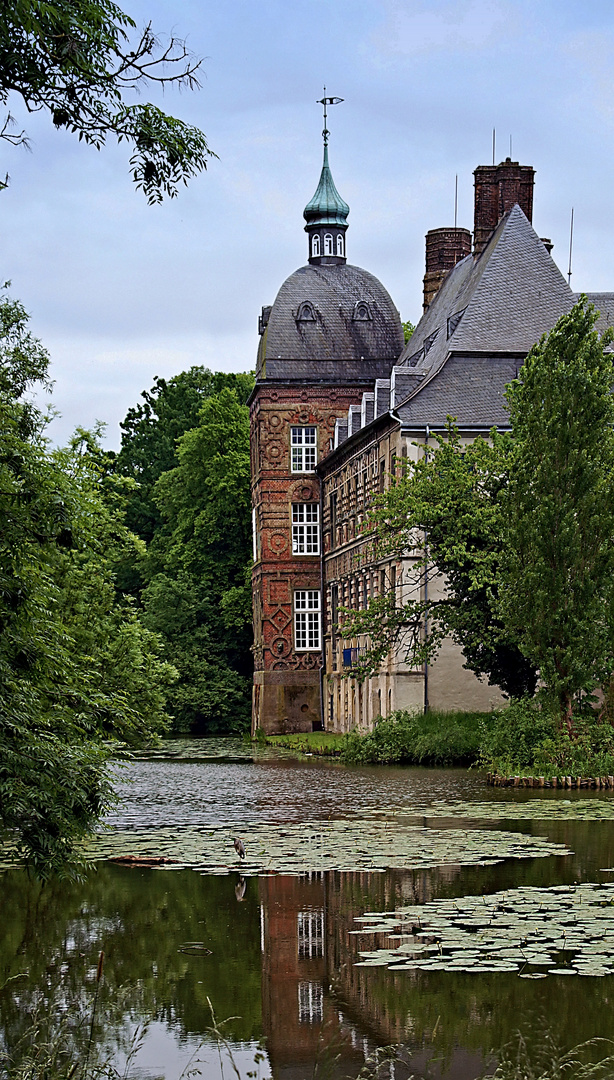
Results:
x,y
326,207
326,213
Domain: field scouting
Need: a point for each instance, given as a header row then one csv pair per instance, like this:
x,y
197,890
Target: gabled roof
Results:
x,y
501,302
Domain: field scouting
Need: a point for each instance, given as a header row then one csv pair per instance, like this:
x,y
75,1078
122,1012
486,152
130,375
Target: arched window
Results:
x,y
340,250
362,312
328,244
306,313
315,246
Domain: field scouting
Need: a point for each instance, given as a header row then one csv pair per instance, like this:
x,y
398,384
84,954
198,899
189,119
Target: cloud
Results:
x,y
468,26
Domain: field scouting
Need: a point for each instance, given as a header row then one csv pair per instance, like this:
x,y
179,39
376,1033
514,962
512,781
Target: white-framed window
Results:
x,y
254,535
304,448
307,620
310,928
315,245
310,1003
305,529
340,250
328,244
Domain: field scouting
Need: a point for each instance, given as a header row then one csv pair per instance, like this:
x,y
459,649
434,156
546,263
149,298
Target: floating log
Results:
x,y
141,860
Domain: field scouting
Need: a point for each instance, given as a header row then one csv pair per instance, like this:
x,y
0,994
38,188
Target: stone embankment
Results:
x,y
496,780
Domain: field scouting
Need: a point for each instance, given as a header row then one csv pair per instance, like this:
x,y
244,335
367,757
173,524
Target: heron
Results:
x,y
239,847
240,888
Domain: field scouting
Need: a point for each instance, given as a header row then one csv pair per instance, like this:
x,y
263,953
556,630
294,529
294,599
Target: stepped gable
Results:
x,y
326,313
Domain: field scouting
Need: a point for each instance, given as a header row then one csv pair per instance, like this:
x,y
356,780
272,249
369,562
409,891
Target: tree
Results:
x,y
78,672
198,594
76,60
446,511
557,594
151,430
408,329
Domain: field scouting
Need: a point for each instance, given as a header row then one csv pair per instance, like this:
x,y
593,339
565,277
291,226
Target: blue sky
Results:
x,y
120,292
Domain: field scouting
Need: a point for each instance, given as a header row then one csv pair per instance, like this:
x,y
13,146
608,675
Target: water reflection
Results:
x,y
281,965
275,954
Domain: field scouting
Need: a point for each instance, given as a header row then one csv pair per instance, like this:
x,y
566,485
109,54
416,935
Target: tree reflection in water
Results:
x,y
280,963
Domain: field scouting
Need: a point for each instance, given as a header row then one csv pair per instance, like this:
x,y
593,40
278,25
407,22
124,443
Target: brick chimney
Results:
x,y
497,189
444,248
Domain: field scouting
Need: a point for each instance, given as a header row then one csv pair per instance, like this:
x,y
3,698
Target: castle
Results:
x,y
340,402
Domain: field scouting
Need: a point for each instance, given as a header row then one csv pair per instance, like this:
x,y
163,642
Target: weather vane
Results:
x,y
327,101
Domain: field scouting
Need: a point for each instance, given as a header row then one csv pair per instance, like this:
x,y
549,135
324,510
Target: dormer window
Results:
x,y
328,244
362,312
340,250
454,320
315,246
306,313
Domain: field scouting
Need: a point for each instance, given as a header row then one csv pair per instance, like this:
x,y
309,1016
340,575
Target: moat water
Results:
x,y
274,956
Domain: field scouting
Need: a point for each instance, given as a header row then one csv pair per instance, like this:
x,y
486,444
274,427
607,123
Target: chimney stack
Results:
x,y
444,248
497,189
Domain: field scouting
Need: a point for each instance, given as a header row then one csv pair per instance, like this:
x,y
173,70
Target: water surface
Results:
x,y
276,953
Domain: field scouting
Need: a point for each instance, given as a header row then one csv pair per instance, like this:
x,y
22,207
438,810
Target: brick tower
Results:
x,y
331,332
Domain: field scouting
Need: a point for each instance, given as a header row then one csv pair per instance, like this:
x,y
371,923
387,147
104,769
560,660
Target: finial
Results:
x,y
324,101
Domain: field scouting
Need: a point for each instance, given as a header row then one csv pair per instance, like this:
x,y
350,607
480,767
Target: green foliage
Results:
x,y
526,739
447,509
151,430
559,567
75,59
404,738
408,329
77,670
318,743
197,569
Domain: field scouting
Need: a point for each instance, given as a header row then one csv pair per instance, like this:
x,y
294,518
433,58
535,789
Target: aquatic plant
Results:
x,y
533,932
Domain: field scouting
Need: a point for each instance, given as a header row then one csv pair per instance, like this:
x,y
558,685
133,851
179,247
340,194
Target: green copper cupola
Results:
x,y
326,216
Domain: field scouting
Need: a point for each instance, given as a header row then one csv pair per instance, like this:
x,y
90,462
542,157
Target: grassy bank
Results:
x,y
434,738
525,739
319,743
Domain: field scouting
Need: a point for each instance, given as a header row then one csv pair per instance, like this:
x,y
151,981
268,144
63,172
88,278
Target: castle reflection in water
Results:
x,y
319,1010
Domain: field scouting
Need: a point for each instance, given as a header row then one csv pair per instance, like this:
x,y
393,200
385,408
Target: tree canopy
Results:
x,y
79,674
198,594
446,509
558,572
83,62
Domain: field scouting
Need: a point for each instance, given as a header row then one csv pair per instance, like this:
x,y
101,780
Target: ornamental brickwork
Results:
x,y
287,680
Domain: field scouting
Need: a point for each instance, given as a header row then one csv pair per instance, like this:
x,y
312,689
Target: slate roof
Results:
x,y
334,332
469,388
501,302
604,304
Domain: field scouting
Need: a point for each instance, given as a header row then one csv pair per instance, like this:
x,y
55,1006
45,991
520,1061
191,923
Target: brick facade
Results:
x,y
286,695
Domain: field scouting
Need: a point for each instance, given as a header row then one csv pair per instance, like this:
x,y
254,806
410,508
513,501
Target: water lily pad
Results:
x,y
498,939
352,845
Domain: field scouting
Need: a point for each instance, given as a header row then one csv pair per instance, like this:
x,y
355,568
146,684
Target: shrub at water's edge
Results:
x,y
526,739
522,739
432,738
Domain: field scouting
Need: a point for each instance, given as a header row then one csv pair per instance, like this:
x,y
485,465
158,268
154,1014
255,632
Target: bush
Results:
x,y
526,739
404,738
